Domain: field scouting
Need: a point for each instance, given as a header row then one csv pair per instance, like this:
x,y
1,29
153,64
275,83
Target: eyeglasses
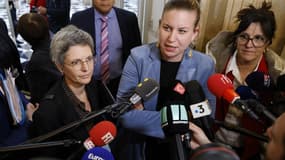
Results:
x,y
257,41
77,63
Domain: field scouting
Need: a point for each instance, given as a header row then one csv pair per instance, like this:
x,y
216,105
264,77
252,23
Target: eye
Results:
x,y
166,28
182,31
75,62
89,58
243,36
260,38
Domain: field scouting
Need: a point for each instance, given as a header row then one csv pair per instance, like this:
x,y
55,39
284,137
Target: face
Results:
x,y
247,52
103,6
176,32
78,65
275,148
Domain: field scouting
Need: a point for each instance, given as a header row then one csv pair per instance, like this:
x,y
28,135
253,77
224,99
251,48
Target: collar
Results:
x,y
232,70
98,15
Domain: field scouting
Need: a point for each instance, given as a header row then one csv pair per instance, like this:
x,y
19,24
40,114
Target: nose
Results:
x,y
84,65
249,43
172,36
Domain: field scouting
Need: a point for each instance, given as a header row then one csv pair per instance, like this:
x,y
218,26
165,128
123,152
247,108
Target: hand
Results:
x,y
198,137
138,106
30,109
42,10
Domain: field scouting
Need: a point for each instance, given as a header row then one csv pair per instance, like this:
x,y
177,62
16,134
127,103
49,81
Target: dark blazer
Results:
x,y
41,72
129,28
58,14
57,110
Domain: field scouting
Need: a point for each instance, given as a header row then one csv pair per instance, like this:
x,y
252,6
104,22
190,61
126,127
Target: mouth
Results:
x,y
170,48
85,76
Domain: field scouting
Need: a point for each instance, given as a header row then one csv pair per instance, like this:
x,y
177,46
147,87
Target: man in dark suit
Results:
x,y
123,35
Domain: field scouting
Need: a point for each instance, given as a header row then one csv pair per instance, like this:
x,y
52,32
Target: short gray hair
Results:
x,y
65,38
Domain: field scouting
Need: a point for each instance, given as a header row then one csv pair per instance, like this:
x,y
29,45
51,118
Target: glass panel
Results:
x,y
131,5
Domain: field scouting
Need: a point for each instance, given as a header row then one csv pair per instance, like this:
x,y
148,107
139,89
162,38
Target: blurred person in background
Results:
x,y
57,12
123,34
40,71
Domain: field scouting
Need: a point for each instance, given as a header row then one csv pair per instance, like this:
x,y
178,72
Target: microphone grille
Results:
x,y
147,88
103,133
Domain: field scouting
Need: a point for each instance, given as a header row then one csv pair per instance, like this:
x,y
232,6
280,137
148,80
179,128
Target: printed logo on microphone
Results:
x,y
200,109
88,144
107,138
179,88
267,80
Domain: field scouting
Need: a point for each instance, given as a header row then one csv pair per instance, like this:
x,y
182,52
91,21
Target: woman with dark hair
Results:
x,y
237,54
40,71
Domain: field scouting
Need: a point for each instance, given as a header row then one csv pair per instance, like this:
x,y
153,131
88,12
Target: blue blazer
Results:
x,y
128,24
144,62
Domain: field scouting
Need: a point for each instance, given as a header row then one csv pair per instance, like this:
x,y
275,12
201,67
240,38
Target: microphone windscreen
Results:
x,y
103,133
218,84
98,153
196,100
195,93
174,91
281,83
147,88
245,92
174,119
259,81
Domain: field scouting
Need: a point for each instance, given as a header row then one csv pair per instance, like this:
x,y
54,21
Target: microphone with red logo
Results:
x,y
101,134
222,87
174,117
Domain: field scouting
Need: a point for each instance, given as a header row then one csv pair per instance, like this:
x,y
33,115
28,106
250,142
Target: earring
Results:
x,y
157,44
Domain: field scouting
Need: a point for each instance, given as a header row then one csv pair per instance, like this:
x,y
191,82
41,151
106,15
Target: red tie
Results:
x,y
104,50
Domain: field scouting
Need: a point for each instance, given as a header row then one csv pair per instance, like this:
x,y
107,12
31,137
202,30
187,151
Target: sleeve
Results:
x,y
145,122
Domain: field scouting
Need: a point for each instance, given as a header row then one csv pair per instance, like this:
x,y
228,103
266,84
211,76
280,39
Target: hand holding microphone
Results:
x,y
198,136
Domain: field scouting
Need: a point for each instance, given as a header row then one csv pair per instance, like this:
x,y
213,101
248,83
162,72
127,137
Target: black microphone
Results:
x,y
199,107
281,83
175,122
260,82
240,130
174,116
251,100
260,108
143,92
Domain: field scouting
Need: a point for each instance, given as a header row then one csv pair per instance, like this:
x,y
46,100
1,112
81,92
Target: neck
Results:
x,y
76,89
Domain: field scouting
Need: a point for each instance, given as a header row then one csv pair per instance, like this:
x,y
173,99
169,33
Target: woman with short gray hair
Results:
x,y
75,95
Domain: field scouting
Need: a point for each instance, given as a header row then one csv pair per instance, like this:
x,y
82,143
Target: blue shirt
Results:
x,y
115,45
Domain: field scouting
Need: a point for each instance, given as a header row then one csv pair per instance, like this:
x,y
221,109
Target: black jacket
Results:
x,y
57,110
